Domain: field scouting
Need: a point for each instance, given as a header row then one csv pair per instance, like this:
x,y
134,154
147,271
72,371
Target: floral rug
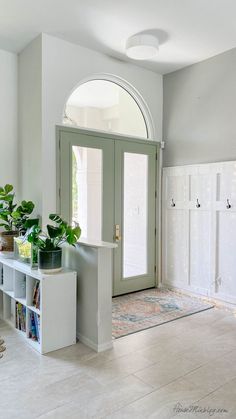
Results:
x,y
144,309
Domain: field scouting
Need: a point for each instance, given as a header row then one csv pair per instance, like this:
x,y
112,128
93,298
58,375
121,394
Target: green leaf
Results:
x,y
15,214
72,235
77,232
31,222
8,198
8,188
27,206
56,218
54,232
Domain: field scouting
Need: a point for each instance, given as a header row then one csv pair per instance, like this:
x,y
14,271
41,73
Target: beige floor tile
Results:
x,y
161,403
213,375
101,401
223,400
107,371
164,373
219,404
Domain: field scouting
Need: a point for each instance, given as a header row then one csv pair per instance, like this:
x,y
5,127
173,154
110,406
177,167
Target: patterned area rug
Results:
x,y
144,309
2,347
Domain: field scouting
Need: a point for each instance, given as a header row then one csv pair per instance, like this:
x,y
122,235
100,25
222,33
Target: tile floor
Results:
x,y
157,373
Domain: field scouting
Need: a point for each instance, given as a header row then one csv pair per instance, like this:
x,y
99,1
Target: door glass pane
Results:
x,y
135,217
87,190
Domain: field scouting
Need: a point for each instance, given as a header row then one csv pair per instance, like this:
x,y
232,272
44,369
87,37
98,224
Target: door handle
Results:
x,y
117,233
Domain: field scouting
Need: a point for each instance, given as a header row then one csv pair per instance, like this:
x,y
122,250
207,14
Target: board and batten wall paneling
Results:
x,y
199,229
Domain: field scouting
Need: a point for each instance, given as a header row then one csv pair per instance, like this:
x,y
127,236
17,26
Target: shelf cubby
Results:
x,y
20,317
7,278
30,290
8,309
33,327
20,287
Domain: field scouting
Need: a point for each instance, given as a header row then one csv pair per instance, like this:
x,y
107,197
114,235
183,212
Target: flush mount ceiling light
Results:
x,y
142,47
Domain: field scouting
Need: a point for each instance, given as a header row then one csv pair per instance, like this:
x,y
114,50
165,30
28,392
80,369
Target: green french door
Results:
x,y
107,184
135,182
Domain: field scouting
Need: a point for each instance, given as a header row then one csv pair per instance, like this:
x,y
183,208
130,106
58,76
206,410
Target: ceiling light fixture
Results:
x,y
142,47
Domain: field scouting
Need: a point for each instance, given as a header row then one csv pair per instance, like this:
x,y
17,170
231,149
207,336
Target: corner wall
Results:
x,y
8,120
30,123
199,121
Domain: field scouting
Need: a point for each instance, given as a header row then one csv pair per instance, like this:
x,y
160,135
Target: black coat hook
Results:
x,y
197,204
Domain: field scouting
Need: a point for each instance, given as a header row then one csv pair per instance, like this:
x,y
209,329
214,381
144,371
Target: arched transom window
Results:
x,y
105,106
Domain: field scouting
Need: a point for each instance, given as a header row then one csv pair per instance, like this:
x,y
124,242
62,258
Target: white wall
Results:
x,y
8,119
65,65
199,112
30,122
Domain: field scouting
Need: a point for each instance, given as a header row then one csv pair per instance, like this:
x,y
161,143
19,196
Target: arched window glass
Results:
x,y
104,105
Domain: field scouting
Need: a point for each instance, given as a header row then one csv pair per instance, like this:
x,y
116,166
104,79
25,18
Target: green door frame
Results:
x,y
106,142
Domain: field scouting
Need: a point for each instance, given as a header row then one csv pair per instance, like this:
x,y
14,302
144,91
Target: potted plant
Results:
x,y
22,222
49,244
14,219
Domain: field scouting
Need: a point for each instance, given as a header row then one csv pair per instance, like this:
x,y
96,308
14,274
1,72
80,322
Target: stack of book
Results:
x,y
34,332
36,295
20,317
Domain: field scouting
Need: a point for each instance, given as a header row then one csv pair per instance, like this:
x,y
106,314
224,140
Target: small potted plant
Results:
x,y
13,218
49,244
22,222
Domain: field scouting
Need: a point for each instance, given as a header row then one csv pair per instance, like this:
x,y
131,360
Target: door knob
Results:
x,y
117,233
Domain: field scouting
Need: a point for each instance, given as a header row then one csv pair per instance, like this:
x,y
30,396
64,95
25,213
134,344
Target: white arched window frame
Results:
x,y
131,90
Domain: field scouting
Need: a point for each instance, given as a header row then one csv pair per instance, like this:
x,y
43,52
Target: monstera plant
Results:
x,y
49,244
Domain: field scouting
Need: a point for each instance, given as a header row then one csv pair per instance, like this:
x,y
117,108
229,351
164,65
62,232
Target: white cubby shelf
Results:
x,y
55,311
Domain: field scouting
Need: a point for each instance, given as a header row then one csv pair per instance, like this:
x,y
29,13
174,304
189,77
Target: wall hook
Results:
x,y
172,203
197,204
228,206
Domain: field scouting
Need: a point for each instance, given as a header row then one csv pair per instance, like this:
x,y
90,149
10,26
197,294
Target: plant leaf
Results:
x,y
56,218
8,188
54,232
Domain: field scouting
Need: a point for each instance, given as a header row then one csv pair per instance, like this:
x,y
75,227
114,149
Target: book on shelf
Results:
x,y
20,317
34,330
36,295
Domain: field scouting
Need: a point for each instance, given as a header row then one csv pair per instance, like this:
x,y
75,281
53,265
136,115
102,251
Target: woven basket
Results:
x,y
7,240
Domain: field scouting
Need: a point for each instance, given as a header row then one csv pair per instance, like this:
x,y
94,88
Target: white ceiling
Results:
x,y
189,30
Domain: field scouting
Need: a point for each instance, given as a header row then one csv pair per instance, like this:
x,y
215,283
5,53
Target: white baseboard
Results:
x,y
96,347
